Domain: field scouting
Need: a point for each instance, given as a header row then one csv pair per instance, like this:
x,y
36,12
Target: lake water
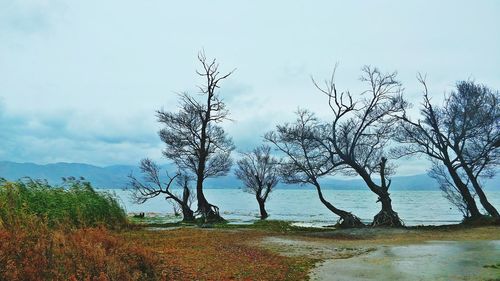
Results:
x,y
303,206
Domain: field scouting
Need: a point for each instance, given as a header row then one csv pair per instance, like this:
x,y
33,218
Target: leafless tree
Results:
x,y
259,172
306,159
429,136
472,125
361,130
151,186
194,140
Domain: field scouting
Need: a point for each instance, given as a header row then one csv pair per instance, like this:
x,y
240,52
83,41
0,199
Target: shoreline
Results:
x,y
462,253
367,253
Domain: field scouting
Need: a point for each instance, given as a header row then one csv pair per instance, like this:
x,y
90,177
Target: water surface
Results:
x,y
439,260
303,205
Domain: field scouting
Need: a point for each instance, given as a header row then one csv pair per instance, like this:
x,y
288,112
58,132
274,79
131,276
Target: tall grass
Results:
x,y
41,253
76,204
61,233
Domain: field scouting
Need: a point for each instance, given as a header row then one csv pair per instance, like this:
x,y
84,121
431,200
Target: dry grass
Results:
x,y
83,254
208,254
40,253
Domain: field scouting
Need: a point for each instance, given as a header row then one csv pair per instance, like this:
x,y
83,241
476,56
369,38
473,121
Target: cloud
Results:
x,y
29,16
67,137
82,84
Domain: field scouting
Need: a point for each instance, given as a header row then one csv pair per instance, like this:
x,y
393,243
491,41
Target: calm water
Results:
x,y
304,207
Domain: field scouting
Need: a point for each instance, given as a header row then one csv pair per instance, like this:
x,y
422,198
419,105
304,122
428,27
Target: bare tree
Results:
x,y
152,186
427,136
259,172
307,160
472,125
194,139
361,130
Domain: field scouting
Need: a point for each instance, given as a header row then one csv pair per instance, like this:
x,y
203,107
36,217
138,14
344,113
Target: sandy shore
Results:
x,y
397,254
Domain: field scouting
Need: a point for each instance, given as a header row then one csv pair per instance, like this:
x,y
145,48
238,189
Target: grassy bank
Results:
x,y
75,233
61,233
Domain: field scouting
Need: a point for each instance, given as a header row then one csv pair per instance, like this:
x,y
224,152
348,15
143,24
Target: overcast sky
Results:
x,y
80,80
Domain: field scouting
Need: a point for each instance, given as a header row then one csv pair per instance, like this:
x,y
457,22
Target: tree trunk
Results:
x,y
479,191
486,204
263,213
187,213
464,191
346,219
386,216
209,213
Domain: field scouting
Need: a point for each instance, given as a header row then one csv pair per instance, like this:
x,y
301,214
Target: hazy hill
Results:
x,y
116,177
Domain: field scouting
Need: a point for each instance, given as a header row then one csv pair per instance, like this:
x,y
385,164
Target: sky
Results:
x,y
80,80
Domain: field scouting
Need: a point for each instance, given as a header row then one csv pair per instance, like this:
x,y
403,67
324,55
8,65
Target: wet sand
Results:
x,y
397,254
439,260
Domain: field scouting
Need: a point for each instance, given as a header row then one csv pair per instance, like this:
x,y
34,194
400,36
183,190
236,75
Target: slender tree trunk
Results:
x,y
479,191
464,191
187,213
346,219
262,208
484,201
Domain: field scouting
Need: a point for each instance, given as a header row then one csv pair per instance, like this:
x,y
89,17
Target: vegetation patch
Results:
x,y
61,233
494,266
76,204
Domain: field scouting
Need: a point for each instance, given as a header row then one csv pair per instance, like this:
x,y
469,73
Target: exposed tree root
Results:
x,y
388,219
210,214
349,221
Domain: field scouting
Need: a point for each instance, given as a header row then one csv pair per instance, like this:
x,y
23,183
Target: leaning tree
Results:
x,y
460,138
152,186
194,139
451,192
307,160
361,132
472,123
259,171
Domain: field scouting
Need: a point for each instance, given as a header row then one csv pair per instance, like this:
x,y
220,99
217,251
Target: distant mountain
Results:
x,y
116,176
416,182
102,177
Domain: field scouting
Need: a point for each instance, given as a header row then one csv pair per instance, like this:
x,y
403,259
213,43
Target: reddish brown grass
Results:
x,y
198,254
40,253
85,254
